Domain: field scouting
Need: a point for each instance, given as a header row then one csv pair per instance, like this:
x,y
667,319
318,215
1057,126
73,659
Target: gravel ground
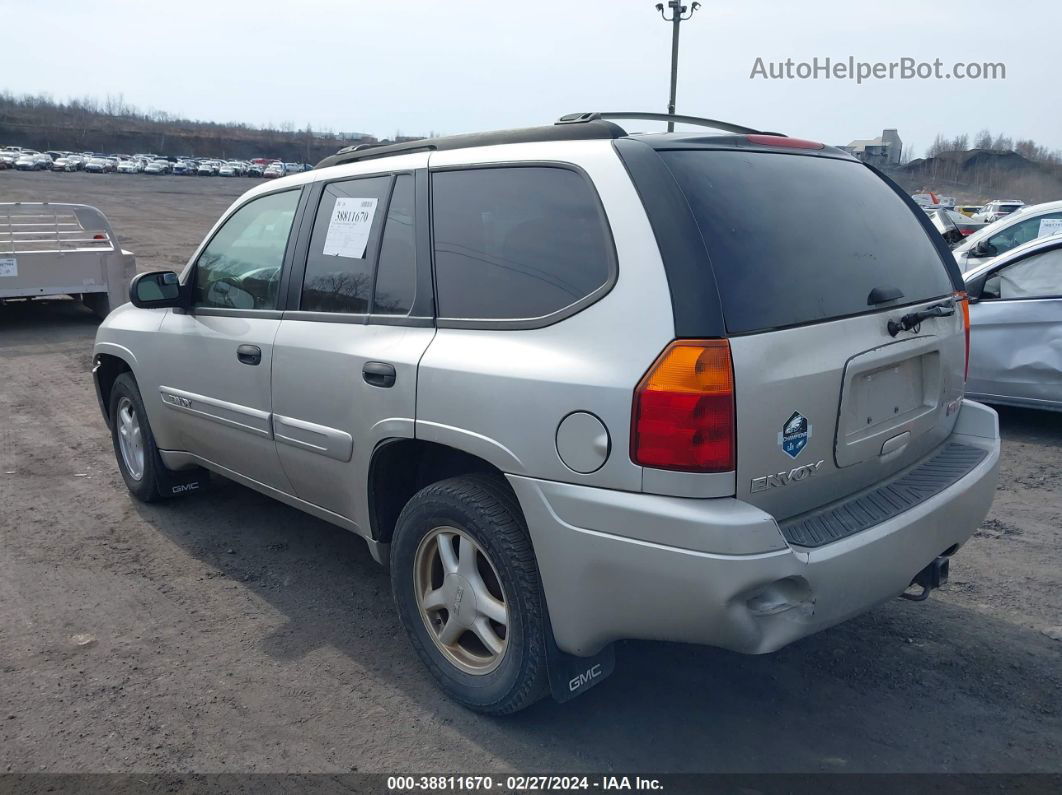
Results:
x,y
227,632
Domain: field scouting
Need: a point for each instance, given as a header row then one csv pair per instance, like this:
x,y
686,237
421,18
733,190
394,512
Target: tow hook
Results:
x,y
932,576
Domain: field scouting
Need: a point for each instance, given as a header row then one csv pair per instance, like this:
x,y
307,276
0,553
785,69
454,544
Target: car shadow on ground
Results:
x,y
907,687
47,321
1029,424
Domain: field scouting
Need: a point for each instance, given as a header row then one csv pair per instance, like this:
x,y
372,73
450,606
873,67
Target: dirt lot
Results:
x,y
226,632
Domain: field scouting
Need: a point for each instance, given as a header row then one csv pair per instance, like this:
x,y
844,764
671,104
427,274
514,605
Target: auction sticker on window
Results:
x,y
8,266
348,229
1050,226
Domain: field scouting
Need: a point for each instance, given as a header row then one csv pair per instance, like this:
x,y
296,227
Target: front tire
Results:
x,y
134,444
468,593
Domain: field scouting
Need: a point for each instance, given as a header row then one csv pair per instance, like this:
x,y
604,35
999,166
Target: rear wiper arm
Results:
x,y
913,320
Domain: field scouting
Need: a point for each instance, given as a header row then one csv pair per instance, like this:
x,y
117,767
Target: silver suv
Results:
x,y
574,385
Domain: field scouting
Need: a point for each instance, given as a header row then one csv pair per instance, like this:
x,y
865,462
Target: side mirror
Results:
x,y
984,249
156,290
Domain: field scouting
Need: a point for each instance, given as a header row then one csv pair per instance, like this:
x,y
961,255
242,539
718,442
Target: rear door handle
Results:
x,y
249,354
379,374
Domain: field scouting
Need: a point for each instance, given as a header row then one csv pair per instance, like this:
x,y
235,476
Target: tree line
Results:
x,y
113,125
1026,147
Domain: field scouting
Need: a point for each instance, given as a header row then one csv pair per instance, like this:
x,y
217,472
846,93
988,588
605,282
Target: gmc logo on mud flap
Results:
x,y
585,678
184,487
794,475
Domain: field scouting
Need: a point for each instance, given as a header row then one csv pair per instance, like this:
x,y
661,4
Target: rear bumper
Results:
x,y
719,572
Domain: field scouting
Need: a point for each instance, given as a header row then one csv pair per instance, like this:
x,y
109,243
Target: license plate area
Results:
x,y
887,392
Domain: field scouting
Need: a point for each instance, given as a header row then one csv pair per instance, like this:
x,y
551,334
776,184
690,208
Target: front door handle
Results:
x,y
379,374
249,354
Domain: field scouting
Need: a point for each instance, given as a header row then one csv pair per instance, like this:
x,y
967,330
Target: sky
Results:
x,y
421,66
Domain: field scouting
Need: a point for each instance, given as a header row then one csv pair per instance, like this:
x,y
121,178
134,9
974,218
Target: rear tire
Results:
x,y
476,616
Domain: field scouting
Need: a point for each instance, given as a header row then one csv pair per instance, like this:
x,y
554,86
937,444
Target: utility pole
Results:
x,y
678,16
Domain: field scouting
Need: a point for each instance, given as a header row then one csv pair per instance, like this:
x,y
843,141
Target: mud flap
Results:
x,y
571,676
171,483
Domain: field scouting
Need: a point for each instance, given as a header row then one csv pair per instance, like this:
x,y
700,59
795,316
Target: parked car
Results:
x,y
1028,223
185,167
130,167
997,209
254,170
227,170
8,158
37,161
98,165
953,226
293,168
207,168
590,391
62,249
273,170
157,167
1016,326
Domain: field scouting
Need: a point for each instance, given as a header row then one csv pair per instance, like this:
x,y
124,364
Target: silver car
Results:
x,y
1016,327
1023,225
574,385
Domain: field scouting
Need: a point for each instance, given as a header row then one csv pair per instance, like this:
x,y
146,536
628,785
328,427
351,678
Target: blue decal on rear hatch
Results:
x,y
794,435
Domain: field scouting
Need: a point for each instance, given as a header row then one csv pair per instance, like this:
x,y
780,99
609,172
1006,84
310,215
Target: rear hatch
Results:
x,y
812,256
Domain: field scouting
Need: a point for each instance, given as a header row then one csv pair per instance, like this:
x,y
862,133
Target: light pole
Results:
x,y
679,14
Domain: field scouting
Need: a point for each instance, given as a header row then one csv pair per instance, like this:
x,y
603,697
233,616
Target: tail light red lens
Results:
x,y
964,306
684,409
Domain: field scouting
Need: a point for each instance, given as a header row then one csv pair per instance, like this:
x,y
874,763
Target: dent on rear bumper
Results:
x,y
617,565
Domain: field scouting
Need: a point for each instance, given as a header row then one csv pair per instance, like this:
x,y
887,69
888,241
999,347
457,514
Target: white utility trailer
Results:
x,y
49,249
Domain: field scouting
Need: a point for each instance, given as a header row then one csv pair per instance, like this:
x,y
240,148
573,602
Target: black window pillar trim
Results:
x,y
695,301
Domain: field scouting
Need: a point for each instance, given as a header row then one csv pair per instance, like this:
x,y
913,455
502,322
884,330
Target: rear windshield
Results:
x,y
795,239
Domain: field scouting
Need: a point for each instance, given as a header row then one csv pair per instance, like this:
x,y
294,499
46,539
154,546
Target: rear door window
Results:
x,y
517,243
795,239
340,262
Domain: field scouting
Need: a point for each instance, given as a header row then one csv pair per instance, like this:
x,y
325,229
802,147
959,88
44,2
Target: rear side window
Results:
x,y
517,243
795,239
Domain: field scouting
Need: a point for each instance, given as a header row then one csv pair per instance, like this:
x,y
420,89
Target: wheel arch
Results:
x,y
109,363
399,468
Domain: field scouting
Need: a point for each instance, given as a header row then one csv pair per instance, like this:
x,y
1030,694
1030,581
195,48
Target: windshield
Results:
x,y
795,239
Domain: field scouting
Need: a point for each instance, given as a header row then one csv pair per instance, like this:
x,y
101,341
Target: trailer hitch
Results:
x,y
932,576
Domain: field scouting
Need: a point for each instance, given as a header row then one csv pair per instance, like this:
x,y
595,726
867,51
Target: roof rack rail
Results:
x,y
583,118
550,132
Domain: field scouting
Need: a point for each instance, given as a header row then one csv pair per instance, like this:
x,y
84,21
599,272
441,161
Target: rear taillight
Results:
x,y
684,409
964,307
